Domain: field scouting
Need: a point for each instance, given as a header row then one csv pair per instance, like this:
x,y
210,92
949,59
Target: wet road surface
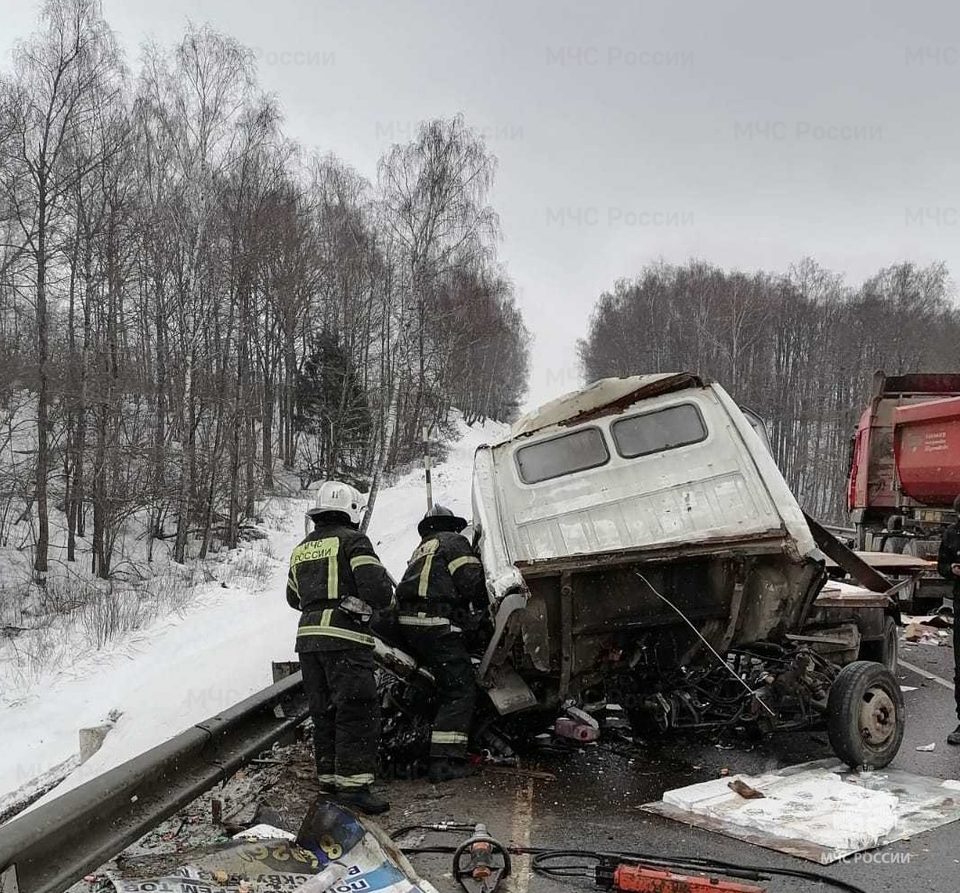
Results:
x,y
594,802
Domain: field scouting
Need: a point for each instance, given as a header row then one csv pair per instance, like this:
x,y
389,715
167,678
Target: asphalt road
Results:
x,y
596,798
595,801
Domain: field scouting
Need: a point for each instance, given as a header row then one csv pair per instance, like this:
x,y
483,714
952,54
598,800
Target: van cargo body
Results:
x,y
661,476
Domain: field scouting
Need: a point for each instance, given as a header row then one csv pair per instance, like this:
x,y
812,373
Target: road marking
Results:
x,y
928,675
520,835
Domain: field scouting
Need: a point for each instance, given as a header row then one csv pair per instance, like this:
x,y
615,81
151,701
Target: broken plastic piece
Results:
x,y
567,727
334,848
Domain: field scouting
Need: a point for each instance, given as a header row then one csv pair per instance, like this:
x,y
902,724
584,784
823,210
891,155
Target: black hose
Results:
x,y
542,856
680,862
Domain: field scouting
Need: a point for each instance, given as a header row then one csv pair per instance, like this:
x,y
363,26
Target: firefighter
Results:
x,y
948,563
442,590
336,581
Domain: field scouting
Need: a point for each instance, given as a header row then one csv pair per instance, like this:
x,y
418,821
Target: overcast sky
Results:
x,y
748,134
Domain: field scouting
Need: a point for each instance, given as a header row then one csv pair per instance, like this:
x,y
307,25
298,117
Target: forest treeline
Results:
x,y
799,348
190,301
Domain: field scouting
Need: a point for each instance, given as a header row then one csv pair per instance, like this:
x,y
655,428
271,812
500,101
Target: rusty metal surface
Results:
x,y
769,542
566,632
677,382
847,559
607,396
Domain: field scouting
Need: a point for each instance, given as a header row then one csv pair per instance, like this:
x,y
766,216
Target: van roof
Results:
x,y
603,397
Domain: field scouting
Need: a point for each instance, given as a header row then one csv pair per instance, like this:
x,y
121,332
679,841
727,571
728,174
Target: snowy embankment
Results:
x,y
214,652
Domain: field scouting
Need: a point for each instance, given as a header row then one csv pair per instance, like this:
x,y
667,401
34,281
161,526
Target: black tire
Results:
x,y
886,649
865,715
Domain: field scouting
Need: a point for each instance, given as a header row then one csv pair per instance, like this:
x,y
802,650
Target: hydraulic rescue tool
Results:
x,y
481,862
644,879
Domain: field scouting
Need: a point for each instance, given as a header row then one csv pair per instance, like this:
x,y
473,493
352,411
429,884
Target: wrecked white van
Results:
x,y
641,546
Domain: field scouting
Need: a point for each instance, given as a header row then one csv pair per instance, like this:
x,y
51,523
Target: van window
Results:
x,y
562,455
654,432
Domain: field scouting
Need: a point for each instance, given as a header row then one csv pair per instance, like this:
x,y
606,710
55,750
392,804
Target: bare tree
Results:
x,y
434,198
800,349
198,314
50,98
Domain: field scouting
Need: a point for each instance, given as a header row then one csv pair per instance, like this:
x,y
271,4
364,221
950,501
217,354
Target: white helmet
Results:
x,y
336,496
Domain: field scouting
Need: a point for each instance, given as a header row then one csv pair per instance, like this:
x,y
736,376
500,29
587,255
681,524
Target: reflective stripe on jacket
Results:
x,y
335,564
443,579
325,627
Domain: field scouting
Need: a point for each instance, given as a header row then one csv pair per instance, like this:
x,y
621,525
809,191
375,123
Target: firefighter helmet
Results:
x,y
440,518
336,497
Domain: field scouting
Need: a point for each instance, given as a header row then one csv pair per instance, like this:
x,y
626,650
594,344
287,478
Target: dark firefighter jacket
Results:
x,y
332,563
443,580
950,554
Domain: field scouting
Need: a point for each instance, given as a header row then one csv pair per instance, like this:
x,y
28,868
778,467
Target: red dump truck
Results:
x,y
926,446
905,465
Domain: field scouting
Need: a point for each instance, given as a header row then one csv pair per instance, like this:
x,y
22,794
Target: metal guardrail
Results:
x,y
53,846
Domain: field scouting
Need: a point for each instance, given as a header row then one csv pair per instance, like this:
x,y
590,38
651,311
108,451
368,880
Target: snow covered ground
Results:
x,y
214,652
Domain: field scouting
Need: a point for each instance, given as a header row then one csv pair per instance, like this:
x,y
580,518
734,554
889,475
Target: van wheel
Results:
x,y
865,715
886,649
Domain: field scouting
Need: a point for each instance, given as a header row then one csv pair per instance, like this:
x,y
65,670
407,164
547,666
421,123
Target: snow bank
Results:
x,y
400,506
217,651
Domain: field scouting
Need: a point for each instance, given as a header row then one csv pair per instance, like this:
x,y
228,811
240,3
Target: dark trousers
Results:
x,y
342,693
446,656
956,651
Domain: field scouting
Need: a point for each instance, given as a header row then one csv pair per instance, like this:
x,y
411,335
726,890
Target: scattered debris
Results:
x,y
928,629
333,847
927,748
262,865
264,832
581,716
925,634
820,811
744,790
937,621
568,727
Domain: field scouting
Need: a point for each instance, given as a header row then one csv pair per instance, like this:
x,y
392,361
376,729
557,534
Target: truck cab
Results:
x,y
641,545
905,460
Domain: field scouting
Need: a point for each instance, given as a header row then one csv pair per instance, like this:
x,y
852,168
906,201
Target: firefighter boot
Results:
x,y
362,800
446,769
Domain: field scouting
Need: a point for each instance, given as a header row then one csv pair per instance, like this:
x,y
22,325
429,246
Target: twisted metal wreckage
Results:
x,y
642,549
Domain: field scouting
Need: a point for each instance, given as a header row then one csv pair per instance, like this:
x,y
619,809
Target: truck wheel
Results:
x,y
865,715
885,650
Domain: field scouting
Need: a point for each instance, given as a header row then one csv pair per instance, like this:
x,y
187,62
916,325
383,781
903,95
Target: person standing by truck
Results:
x,y
441,591
336,581
948,563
